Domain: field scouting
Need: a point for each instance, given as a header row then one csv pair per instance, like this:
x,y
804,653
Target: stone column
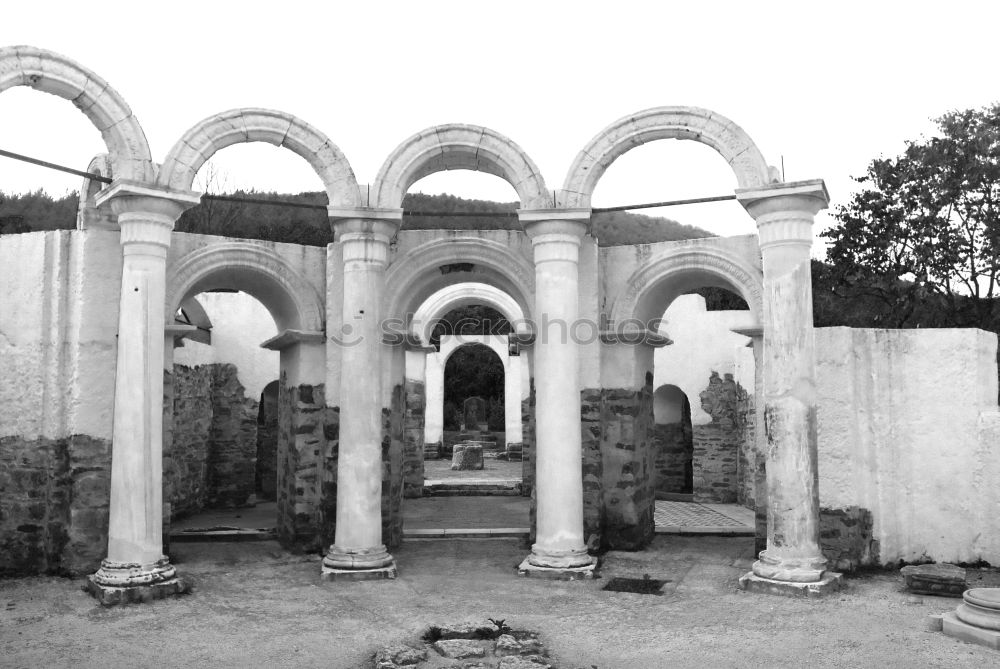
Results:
x,y
792,560
136,568
358,552
559,550
512,399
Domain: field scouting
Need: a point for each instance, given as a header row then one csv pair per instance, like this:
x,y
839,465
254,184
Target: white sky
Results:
x,y
828,89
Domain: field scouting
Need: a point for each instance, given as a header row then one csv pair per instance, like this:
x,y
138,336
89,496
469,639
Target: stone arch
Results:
x,y
461,295
458,147
675,271
237,126
55,74
701,125
418,274
292,301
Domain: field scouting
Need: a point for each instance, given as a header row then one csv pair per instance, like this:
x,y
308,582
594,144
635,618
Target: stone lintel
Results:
x,y
109,595
288,338
557,573
953,627
377,574
393,217
180,330
831,582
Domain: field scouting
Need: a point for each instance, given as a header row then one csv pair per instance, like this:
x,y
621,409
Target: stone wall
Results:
x,y
528,446
618,466
674,446
747,455
54,506
209,440
186,428
392,470
413,439
267,444
717,444
847,539
301,439
232,444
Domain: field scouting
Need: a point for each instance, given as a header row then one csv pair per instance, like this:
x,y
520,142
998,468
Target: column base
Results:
x,y
376,574
586,571
123,583
794,570
954,627
364,564
831,582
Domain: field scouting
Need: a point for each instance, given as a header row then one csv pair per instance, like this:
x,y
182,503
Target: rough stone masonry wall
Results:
x,y
618,466
209,440
266,476
301,440
54,506
232,452
674,446
186,428
847,538
717,444
746,453
413,438
392,470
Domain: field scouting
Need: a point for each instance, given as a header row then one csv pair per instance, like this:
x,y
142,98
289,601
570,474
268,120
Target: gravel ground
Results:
x,y
254,605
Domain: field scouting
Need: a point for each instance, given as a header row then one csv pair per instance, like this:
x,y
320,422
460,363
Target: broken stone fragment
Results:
x,y
523,662
467,456
943,579
459,649
464,630
398,655
508,645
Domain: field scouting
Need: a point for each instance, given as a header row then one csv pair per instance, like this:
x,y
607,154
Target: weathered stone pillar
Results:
x,y
136,568
792,561
559,550
358,552
512,399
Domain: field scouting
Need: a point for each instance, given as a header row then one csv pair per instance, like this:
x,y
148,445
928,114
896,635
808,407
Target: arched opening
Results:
x,y
662,171
266,318
221,414
702,405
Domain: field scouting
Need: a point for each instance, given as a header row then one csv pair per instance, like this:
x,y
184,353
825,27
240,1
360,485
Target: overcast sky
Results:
x,y
825,89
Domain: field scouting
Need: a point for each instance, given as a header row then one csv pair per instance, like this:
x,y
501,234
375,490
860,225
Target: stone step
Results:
x,y
472,487
222,534
467,533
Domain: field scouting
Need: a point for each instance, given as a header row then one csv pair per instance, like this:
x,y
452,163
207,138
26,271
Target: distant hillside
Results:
x,y
41,211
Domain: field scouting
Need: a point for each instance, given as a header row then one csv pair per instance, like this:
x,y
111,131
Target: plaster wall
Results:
x,y
908,429
58,326
239,324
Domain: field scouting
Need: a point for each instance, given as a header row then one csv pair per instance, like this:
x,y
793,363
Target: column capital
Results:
x,y
785,212
538,224
146,215
365,220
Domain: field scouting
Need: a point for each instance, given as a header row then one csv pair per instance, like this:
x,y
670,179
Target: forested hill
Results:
x,y
40,211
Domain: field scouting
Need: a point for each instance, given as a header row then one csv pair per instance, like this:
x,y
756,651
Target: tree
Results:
x,y
921,240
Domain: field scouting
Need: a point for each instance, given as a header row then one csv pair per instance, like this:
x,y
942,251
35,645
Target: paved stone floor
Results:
x,y
694,518
255,605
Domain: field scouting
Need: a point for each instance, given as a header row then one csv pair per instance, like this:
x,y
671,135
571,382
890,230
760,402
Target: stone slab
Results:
x,y
556,574
378,574
943,579
831,582
111,596
954,627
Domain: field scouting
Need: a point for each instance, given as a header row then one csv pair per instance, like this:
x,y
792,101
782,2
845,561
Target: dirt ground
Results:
x,y
254,605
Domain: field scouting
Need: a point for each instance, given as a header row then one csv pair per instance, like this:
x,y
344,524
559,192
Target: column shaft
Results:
x,y
559,484
358,551
784,218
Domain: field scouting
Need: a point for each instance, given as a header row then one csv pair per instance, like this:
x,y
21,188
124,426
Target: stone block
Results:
x,y
400,655
467,457
831,582
459,649
943,579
